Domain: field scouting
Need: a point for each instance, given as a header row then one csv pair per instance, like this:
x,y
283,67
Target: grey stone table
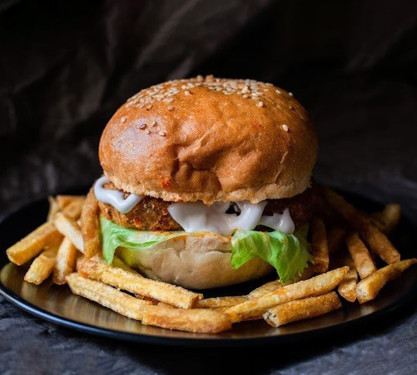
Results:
x,y
367,130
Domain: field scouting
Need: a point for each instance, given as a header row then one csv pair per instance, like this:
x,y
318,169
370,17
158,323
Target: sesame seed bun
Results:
x,y
210,139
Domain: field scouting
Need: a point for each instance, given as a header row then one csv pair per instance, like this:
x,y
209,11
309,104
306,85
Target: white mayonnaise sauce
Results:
x,y
115,197
197,217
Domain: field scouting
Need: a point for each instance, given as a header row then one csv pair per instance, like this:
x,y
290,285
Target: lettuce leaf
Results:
x,y
287,253
115,236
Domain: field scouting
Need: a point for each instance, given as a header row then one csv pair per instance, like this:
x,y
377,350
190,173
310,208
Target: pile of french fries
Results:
x,y
345,259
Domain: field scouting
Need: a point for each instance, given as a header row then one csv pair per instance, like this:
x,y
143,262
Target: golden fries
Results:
x,y
96,269
53,208
107,296
380,244
73,225
65,261
319,246
317,285
73,209
65,200
193,320
347,288
265,289
368,288
376,240
388,218
41,268
33,243
70,229
212,303
90,226
302,309
360,255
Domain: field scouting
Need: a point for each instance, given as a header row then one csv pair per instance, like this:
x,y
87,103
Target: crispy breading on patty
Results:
x,y
152,213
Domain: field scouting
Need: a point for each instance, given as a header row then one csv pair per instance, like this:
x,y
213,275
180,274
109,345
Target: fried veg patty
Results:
x,y
152,213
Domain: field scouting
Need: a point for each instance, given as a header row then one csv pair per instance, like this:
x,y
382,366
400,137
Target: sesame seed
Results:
x,y
285,127
170,108
147,131
290,94
142,126
163,134
153,122
278,91
166,92
123,119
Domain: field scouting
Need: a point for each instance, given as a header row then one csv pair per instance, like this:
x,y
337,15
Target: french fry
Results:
x,y
65,200
317,285
73,209
65,262
41,268
319,246
367,289
360,255
53,208
265,289
302,309
192,320
212,303
347,288
276,284
33,243
388,218
380,244
335,239
165,305
96,269
375,239
70,229
90,226
107,296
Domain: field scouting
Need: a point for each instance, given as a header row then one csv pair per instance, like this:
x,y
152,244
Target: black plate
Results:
x,y
58,305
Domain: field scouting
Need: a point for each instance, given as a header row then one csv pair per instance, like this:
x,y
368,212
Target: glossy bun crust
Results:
x,y
210,139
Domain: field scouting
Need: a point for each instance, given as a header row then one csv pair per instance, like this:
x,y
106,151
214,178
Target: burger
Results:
x,y
207,182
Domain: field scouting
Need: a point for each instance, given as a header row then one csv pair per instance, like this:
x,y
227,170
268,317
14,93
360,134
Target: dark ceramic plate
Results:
x,y
58,305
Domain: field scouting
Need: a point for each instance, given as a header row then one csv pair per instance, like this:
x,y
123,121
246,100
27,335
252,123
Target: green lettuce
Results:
x,y
115,236
287,253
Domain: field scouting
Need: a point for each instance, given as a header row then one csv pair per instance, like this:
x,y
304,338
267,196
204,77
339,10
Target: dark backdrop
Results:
x,y
66,66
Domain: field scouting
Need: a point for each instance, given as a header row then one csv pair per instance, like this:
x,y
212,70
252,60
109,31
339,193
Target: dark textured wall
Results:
x,y
66,66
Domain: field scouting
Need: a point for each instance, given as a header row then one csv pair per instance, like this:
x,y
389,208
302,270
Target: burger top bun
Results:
x,y
210,139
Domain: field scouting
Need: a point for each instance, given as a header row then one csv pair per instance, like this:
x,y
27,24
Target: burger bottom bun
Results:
x,y
198,261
